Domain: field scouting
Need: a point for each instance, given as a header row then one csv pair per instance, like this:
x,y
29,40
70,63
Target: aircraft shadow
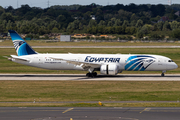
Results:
x,y
80,75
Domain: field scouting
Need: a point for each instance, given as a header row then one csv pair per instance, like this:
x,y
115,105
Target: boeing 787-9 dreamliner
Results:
x,y
107,64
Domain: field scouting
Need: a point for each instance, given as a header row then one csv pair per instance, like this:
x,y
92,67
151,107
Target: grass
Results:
x,y
49,105
12,93
27,91
86,43
11,67
89,105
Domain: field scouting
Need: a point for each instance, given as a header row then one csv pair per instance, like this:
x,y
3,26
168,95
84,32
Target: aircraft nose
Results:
x,y
172,66
175,66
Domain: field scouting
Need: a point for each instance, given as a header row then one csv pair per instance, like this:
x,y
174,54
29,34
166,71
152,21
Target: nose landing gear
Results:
x,y
162,74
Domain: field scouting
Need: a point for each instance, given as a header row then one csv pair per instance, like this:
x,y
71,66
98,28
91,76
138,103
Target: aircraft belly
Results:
x,y
60,66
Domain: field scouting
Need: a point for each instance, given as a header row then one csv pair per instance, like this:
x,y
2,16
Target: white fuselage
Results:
x,y
127,62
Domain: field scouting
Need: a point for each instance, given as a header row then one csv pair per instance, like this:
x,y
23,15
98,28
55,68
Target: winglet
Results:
x,y
22,48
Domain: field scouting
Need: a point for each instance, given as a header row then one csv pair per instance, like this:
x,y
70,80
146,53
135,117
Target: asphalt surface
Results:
x,y
79,77
88,113
97,46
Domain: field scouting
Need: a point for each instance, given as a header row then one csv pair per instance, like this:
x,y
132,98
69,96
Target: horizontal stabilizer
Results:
x,y
18,58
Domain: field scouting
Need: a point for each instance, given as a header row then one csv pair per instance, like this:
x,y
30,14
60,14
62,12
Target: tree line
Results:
x,y
132,19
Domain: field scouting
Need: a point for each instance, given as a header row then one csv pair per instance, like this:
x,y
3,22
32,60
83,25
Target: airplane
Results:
x,y
107,64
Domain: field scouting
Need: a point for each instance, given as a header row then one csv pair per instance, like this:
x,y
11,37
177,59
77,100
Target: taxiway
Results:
x,y
88,113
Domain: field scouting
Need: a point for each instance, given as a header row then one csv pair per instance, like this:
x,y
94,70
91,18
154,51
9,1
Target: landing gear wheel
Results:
x,y
94,74
162,75
88,74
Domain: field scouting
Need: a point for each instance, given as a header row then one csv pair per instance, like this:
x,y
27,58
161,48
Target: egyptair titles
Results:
x,y
101,59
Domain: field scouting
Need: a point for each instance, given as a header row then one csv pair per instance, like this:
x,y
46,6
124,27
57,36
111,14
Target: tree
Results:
x,y
23,10
128,30
76,24
92,23
139,23
176,33
166,26
133,30
100,29
155,36
172,15
110,24
134,17
118,30
7,17
61,19
94,30
139,34
9,25
118,22
70,27
81,26
2,29
1,10
124,15
158,10
125,23
174,25
102,23
146,29
133,23
160,25
55,30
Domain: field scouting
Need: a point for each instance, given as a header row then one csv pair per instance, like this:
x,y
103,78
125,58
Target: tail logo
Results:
x,y
18,43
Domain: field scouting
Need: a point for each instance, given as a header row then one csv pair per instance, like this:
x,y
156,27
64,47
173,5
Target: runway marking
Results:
x,y
68,110
146,109
128,118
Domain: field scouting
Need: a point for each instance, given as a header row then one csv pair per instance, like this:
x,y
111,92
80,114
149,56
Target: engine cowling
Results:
x,y
111,69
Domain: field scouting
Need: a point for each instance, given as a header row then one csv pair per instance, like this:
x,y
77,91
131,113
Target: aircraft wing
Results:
x,y
84,65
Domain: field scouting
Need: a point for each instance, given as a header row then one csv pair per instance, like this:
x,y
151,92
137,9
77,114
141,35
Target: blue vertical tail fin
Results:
x,y
22,48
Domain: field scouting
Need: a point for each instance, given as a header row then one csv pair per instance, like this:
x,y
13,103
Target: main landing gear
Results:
x,y
93,74
162,74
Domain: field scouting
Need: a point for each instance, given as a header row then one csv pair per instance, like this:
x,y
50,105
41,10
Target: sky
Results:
x,y
44,3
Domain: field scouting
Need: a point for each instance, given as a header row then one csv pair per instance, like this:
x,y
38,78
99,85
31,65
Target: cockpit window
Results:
x,y
170,61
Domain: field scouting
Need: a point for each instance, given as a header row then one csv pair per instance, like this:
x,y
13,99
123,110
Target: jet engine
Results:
x,y
110,69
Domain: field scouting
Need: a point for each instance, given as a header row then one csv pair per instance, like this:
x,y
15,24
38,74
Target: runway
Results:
x,y
82,77
88,113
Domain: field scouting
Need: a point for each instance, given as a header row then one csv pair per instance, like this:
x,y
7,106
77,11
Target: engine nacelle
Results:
x,y
111,69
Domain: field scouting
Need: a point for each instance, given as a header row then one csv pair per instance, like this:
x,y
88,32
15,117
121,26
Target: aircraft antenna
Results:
x,y
17,4
48,3
170,2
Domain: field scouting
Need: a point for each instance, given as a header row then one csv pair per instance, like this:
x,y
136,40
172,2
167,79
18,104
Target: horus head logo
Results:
x,y
18,43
